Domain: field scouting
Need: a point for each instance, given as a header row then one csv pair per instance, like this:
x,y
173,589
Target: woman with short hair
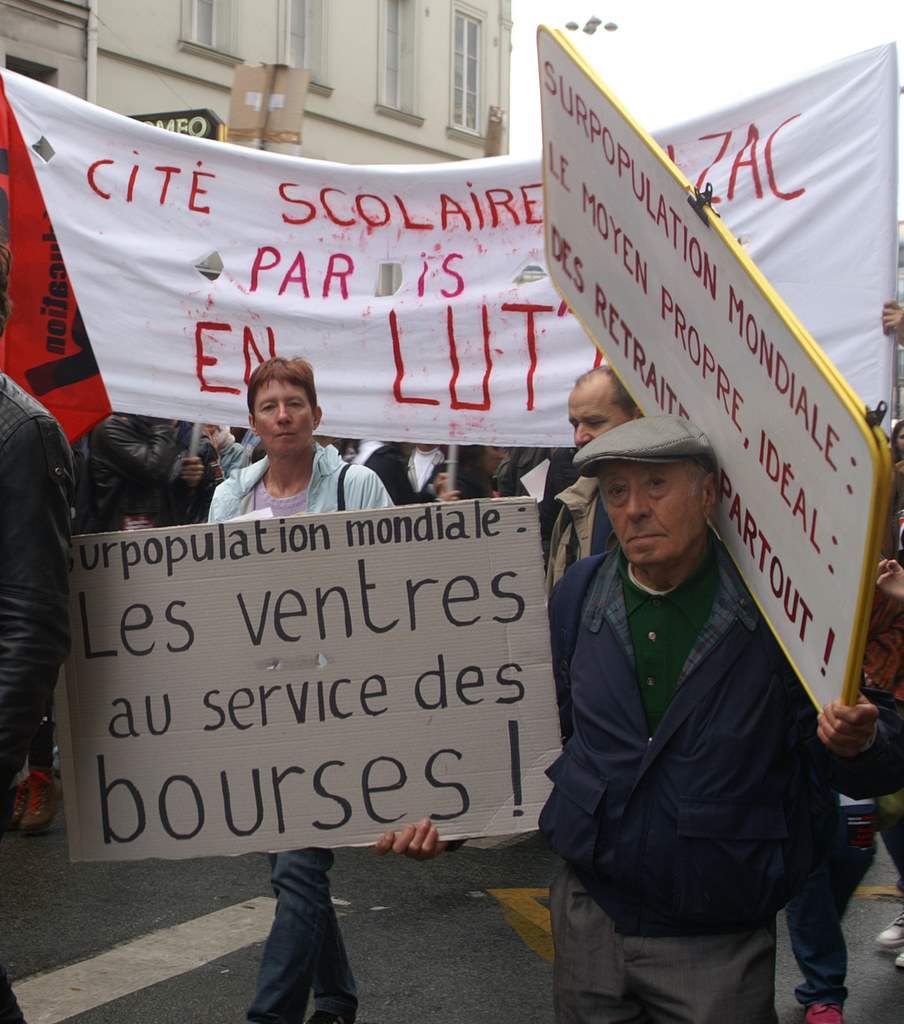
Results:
x,y
304,949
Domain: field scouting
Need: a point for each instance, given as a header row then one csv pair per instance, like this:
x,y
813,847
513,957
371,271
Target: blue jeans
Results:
x,y
814,920
304,949
894,842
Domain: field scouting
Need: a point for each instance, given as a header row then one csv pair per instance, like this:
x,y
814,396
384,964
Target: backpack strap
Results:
x,y
340,489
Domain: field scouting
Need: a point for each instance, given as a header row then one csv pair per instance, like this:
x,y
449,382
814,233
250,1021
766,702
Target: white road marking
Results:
x,y
61,994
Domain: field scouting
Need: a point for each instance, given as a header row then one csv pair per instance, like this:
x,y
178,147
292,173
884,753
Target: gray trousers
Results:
x,y
602,977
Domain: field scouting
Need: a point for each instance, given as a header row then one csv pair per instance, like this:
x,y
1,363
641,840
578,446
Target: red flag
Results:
x,y
45,348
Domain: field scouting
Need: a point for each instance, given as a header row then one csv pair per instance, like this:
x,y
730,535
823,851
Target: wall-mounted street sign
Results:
x,y
200,124
693,328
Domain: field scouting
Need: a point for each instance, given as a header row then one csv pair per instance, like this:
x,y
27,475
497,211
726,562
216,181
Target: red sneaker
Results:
x,y
19,805
43,801
824,1013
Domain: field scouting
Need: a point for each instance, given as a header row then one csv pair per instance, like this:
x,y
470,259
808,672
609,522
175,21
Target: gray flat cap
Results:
x,y
649,439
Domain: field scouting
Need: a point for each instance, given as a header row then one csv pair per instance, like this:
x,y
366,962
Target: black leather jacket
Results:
x,y
132,458
36,492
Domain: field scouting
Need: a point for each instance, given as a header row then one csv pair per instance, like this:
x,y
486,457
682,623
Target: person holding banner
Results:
x,y
691,799
816,913
475,477
131,461
891,580
304,950
885,657
36,494
894,543
893,320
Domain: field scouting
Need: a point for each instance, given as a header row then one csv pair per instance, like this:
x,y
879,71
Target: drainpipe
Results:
x,y
91,54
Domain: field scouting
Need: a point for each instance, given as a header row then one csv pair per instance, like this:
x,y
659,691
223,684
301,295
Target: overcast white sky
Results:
x,y
669,61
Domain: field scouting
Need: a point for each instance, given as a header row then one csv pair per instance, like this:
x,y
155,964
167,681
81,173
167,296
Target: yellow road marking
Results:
x,y
877,892
526,911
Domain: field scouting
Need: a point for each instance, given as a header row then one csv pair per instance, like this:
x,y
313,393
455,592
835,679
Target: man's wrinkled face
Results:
x,y
659,511
592,409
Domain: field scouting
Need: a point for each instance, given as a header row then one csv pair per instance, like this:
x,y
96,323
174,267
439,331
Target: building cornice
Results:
x,y
469,138
147,65
209,53
398,115
72,13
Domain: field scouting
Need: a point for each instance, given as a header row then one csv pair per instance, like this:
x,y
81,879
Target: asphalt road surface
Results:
x,y
461,939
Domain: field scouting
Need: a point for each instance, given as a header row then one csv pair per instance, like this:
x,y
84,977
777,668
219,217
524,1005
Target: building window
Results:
x,y
466,72
298,33
204,28
39,72
304,36
209,23
208,30
205,23
397,63
392,84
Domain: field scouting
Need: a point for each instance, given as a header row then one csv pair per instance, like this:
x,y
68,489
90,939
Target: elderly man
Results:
x,y
597,403
688,799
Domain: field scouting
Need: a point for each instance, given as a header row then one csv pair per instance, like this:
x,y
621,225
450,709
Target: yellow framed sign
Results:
x,y
693,328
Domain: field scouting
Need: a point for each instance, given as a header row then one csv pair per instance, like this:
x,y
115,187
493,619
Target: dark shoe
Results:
x,y
325,1017
19,804
43,801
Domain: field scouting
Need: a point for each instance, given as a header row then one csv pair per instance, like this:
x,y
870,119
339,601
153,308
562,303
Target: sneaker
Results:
x,y
19,804
43,801
325,1017
899,960
824,1013
893,936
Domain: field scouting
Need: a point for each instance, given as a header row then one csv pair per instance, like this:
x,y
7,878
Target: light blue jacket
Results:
x,y
363,488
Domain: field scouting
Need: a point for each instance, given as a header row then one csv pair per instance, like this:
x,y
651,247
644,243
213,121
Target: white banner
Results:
x,y
470,347
310,681
693,330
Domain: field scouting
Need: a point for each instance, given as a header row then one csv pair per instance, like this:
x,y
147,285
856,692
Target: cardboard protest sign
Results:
x,y
267,103
308,681
694,329
193,261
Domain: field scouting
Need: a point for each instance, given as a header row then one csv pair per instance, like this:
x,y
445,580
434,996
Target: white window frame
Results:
x,y
404,97
196,23
314,56
222,45
392,53
478,17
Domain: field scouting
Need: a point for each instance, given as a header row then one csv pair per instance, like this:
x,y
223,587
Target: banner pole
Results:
x,y
451,466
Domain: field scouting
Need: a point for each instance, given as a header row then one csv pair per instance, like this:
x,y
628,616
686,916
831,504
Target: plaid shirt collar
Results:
x,y
605,600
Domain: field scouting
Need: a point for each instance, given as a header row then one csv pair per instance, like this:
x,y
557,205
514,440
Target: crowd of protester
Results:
x,y
691,937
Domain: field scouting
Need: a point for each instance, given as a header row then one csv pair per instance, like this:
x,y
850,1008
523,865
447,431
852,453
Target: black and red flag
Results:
x,y
45,348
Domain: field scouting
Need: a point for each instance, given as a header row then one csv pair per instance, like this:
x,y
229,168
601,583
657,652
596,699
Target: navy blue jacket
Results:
x,y
710,825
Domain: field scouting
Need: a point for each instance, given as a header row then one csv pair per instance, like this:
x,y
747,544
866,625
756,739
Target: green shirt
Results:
x,y
664,628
